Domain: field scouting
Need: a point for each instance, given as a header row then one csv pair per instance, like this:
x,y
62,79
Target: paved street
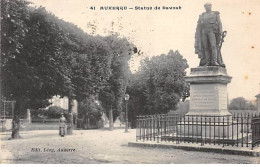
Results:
x,y
99,146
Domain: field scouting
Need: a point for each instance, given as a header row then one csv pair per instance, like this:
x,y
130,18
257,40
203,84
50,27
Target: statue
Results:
x,y
209,38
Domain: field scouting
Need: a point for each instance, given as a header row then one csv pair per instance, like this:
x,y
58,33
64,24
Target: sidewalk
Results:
x,y
232,150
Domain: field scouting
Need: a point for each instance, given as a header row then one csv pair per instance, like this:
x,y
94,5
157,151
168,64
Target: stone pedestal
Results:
x,y
208,91
29,120
208,102
208,130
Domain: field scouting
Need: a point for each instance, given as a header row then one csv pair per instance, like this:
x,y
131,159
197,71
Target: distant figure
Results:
x,y
62,125
209,38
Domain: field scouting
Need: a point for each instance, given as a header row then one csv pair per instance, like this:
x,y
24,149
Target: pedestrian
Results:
x,y
62,125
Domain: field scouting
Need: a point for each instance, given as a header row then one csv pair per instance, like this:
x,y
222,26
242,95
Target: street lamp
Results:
x,y
126,114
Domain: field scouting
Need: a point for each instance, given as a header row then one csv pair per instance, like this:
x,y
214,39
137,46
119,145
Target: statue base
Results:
x,y
208,91
208,115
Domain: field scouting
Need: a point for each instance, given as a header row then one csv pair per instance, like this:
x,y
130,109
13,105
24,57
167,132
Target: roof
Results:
x,y
258,95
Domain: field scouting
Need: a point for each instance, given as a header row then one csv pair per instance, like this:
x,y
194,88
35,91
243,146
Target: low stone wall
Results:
x,y
244,112
5,125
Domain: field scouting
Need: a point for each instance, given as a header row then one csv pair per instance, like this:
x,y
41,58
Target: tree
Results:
x,y
90,110
32,65
241,103
158,85
16,16
43,56
182,108
112,94
92,68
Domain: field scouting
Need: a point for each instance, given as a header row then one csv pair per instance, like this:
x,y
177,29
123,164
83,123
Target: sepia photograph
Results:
x,y
130,82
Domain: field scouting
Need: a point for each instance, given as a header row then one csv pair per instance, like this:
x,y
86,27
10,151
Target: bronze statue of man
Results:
x,y
208,38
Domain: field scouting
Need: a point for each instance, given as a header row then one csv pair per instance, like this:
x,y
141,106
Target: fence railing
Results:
x,y
241,130
45,120
89,124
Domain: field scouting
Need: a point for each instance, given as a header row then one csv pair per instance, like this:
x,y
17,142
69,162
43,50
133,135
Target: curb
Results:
x,y
198,148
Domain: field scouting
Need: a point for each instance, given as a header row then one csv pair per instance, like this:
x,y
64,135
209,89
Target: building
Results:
x,y
63,103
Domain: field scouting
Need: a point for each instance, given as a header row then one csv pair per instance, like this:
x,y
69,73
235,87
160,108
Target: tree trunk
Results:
x,y
70,117
111,122
16,128
16,123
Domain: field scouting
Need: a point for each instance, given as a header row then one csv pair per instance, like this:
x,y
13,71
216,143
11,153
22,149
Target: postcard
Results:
x,y
130,82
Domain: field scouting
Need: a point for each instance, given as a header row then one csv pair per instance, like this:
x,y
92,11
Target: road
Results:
x,y
100,146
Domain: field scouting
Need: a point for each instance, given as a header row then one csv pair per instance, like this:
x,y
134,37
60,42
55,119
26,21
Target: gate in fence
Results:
x,y
241,130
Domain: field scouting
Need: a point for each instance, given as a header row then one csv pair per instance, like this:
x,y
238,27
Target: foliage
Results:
x,y
91,69
159,85
111,96
51,112
32,58
182,108
90,110
89,106
15,15
241,103
55,112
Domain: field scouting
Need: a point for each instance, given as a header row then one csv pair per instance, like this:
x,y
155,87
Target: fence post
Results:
x,y
158,128
184,122
242,129
154,127
201,131
237,128
219,130
180,137
165,127
192,128
177,135
209,130
247,129
197,129
136,135
253,134
223,131
205,138
161,124
188,129
228,128
214,130
232,133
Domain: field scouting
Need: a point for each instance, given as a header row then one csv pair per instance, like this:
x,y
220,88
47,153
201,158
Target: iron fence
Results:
x,y
241,130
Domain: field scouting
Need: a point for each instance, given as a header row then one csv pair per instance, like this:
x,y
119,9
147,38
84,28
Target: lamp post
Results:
x,y
126,112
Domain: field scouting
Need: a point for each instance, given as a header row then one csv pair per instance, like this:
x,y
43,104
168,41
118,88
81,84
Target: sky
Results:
x,y
156,32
